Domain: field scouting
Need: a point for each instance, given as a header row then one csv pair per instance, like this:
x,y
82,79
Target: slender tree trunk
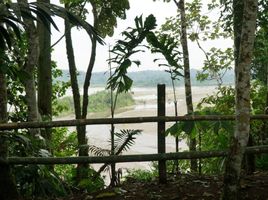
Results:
x,y
264,131
81,132
8,189
242,69
89,69
45,75
187,77
29,67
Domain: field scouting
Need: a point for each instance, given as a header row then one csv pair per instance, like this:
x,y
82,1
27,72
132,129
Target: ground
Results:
x,y
182,187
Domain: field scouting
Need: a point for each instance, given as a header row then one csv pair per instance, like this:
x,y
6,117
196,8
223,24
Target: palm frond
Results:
x,y
125,139
13,14
97,151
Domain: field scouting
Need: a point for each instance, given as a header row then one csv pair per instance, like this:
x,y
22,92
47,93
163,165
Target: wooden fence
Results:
x,y
161,156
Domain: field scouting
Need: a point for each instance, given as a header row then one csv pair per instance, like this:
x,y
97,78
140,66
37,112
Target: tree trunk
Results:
x,y
81,131
242,128
237,21
264,131
90,68
187,77
29,67
45,75
8,188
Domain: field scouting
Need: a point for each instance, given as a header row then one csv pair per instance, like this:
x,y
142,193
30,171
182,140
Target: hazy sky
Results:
x,y
82,42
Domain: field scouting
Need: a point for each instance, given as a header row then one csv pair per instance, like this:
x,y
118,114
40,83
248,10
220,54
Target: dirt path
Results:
x,y
182,187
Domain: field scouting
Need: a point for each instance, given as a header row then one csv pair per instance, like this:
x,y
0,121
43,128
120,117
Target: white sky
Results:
x,y
82,42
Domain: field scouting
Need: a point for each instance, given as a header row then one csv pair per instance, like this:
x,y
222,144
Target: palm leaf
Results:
x,y
125,139
5,36
14,26
12,15
98,151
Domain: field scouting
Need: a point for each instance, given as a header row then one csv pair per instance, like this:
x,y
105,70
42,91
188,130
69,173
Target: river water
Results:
x,y
146,143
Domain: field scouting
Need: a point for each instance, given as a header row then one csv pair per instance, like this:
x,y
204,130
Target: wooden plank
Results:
x,y
125,120
127,158
161,128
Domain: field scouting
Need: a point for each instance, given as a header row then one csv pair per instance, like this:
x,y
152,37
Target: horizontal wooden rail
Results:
x,y
125,120
127,158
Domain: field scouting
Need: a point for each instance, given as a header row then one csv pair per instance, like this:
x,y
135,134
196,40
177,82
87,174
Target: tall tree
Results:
x,y
187,77
104,16
44,74
81,135
243,55
29,67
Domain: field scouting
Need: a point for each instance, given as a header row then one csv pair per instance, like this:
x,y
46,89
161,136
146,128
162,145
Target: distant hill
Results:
x,y
148,78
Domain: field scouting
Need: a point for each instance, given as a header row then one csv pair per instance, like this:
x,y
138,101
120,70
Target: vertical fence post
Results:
x,y
161,142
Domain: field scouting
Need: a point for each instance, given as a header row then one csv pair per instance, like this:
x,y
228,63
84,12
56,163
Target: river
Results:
x,y
146,143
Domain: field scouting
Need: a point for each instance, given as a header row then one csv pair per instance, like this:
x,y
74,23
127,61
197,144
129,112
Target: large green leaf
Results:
x,y
188,126
175,129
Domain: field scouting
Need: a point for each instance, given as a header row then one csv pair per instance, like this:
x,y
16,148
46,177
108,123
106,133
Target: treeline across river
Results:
x,y
149,78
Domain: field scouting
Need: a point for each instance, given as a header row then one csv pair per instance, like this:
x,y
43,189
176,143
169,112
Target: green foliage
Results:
x,y
64,142
259,63
38,180
12,14
141,175
164,44
92,183
222,101
216,65
262,162
215,135
59,89
33,180
99,102
211,135
124,49
108,11
105,13
168,47
200,28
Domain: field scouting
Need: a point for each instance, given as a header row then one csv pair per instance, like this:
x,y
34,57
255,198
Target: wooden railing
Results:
x,y
161,156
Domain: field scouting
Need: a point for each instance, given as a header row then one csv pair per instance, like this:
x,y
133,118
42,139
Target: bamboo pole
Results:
x,y
125,120
127,158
